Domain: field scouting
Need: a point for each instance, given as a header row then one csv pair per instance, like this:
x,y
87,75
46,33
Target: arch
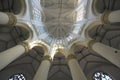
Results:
x,y
90,27
59,54
94,7
40,45
58,67
31,60
74,46
89,60
106,34
11,36
62,51
23,8
28,28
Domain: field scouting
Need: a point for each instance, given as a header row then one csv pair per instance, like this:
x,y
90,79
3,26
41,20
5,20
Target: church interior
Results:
x,y
59,39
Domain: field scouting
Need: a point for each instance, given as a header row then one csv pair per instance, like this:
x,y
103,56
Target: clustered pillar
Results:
x,y
109,53
75,69
7,19
6,57
42,72
111,17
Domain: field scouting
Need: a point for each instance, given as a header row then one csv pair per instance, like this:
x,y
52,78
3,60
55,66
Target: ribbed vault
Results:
x,y
59,17
59,69
58,21
107,34
27,64
111,5
11,36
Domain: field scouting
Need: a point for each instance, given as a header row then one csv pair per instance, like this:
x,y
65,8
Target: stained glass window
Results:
x,y
17,77
101,76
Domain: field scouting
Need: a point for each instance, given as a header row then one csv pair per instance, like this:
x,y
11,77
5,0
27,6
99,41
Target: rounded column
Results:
x,y
109,53
75,69
6,57
7,19
42,72
111,17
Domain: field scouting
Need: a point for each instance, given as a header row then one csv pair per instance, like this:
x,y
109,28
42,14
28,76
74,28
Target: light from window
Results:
x,y
17,77
101,76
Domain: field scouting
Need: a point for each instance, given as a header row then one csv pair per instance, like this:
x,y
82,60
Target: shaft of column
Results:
x,y
114,16
7,19
76,71
42,72
6,57
4,19
111,17
109,53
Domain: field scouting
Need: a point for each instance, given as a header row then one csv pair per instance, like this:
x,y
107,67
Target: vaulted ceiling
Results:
x,y
59,17
59,13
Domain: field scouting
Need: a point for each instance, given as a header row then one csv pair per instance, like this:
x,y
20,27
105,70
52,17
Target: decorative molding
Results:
x,y
26,46
71,56
12,19
94,4
105,17
91,43
47,57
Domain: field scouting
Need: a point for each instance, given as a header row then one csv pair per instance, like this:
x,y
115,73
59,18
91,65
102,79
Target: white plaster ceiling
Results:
x,y
59,17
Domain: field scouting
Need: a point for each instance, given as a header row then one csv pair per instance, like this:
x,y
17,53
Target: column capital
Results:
x,y
105,17
91,43
26,45
47,57
71,56
12,19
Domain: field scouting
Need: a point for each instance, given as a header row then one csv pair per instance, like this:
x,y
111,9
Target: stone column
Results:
x,y
109,53
76,71
11,54
42,72
111,17
7,19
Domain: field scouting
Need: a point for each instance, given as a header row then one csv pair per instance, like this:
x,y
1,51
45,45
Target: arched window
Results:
x,y
101,76
17,77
